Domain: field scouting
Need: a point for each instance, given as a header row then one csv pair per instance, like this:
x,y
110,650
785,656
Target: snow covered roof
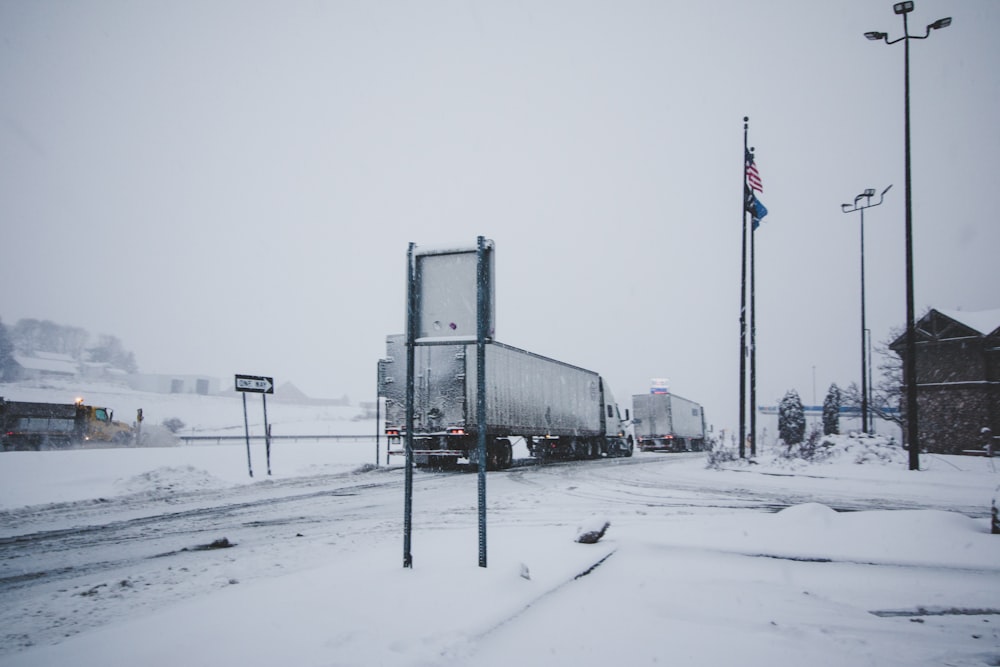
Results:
x,y
48,363
54,356
289,390
983,321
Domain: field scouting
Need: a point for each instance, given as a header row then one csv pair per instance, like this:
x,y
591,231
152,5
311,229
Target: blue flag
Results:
x,y
755,208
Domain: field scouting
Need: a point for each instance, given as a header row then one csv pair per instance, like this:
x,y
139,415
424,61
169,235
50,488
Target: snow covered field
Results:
x,y
103,557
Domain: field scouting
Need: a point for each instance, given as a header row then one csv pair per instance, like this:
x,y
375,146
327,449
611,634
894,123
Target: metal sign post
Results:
x,y
449,300
256,384
481,316
378,416
267,435
411,316
246,430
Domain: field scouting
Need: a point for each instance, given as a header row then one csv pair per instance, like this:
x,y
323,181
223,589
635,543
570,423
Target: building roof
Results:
x,y
47,362
983,321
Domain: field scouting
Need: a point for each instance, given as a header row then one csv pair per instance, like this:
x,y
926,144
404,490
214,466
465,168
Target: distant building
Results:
x,y
174,384
41,365
958,378
53,365
289,393
102,371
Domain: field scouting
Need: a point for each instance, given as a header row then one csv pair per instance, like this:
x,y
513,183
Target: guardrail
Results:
x,y
218,439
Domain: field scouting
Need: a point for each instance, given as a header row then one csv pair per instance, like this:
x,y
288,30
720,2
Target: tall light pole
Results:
x,y
861,202
871,413
910,367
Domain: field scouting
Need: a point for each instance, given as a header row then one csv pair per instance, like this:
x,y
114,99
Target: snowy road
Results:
x,y
68,567
39,545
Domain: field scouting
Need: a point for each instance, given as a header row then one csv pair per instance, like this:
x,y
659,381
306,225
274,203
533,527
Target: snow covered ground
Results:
x,y
103,558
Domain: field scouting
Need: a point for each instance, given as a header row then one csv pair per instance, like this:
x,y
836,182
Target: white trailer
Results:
x,y
559,409
667,422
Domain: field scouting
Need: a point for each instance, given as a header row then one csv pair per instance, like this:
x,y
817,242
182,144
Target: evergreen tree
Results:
x,y
791,419
831,411
8,366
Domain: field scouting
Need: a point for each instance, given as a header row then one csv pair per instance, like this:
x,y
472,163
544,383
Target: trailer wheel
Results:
x,y
442,463
492,456
504,454
595,449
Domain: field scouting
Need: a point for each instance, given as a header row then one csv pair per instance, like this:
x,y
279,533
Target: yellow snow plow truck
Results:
x,y
37,426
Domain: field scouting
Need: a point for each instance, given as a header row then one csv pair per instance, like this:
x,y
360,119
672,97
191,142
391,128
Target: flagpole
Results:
x,y
753,343
743,301
756,209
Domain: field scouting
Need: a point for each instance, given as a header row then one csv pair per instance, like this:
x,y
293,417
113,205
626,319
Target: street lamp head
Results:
x,y
869,192
886,190
940,23
846,208
875,36
903,7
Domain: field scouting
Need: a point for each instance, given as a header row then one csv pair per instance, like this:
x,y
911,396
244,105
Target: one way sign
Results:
x,y
257,384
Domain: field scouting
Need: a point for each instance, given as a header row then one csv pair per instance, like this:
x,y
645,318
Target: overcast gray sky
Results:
x,y
230,186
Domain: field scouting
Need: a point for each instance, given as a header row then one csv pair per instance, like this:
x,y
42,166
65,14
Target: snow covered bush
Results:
x,y
814,448
173,424
821,449
873,449
719,453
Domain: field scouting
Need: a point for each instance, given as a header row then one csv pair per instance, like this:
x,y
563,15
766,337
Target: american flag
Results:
x,y
753,176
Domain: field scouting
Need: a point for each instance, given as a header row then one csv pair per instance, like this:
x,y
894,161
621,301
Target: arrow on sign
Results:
x,y
255,383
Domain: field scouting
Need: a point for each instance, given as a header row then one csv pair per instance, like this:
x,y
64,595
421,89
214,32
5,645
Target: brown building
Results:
x,y
958,378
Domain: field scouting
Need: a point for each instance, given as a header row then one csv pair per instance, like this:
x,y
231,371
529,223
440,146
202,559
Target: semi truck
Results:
x,y
560,410
667,422
35,426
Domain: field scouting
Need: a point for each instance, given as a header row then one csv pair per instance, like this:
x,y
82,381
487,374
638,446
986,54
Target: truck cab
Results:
x,y
618,442
99,424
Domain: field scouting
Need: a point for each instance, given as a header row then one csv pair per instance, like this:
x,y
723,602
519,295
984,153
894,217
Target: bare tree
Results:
x,y
887,391
887,388
8,366
109,349
31,335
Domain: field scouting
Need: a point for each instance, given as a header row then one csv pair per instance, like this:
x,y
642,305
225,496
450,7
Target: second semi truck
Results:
x,y
667,422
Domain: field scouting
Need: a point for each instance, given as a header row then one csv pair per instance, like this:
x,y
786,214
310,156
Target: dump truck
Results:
x,y
667,422
560,410
36,426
